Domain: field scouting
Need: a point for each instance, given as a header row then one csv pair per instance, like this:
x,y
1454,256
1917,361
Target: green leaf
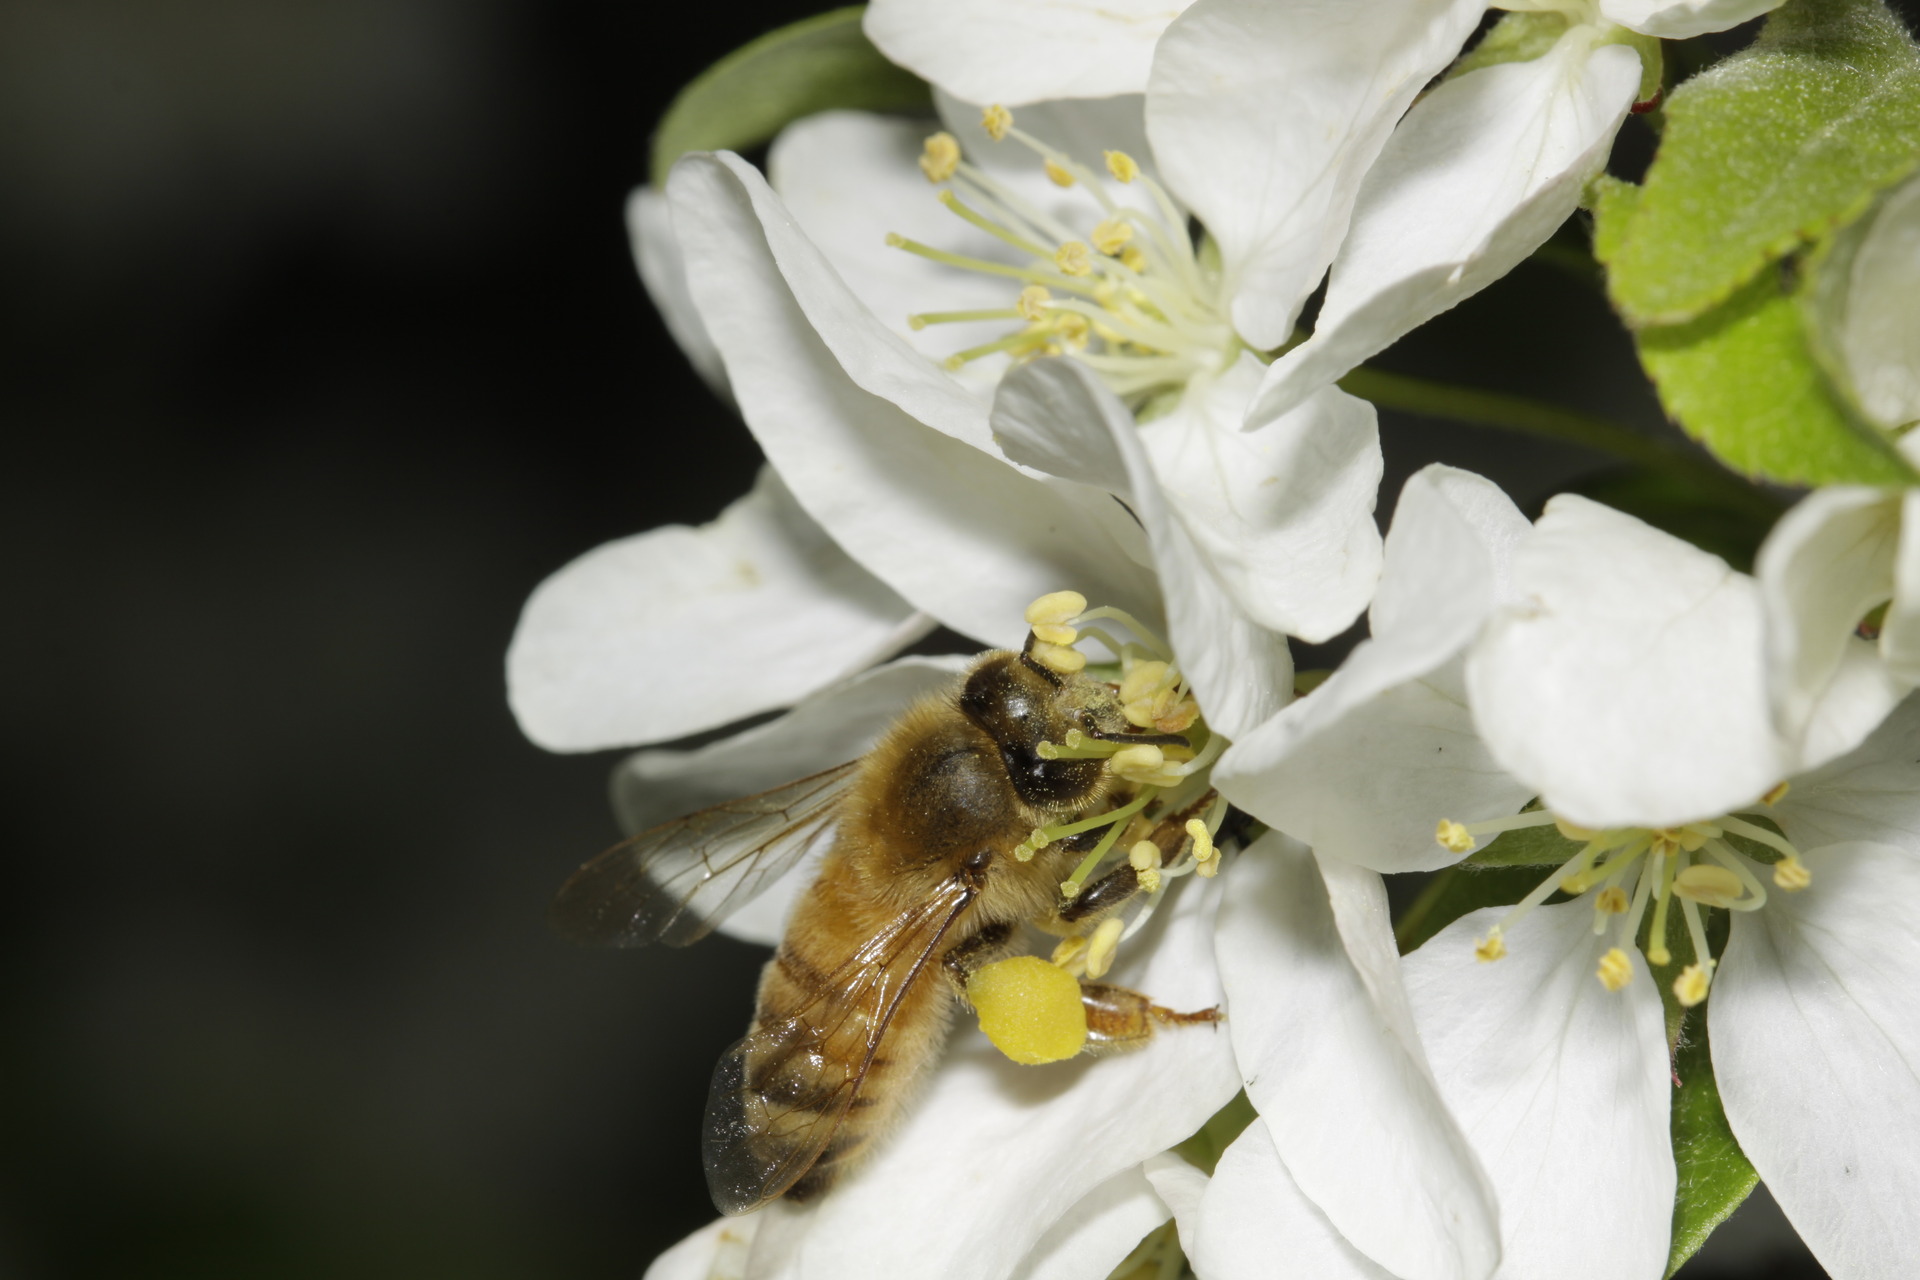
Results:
x,y
1456,891
1714,1174
1769,150
816,64
1517,37
1742,381
1526,847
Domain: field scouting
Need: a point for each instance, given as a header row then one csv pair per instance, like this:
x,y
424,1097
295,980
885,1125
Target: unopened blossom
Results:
x,y
1841,571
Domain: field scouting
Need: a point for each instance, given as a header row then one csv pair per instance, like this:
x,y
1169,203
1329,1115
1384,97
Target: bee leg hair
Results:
x,y
1119,1018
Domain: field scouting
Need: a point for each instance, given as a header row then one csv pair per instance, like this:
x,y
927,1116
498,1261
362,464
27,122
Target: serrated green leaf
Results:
x,y
1742,381
1769,150
1454,892
1715,1176
816,64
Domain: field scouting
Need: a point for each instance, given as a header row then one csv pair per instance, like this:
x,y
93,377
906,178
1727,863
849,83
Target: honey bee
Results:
x,y
928,872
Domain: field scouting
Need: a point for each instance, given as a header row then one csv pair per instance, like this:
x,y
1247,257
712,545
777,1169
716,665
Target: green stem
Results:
x,y
1531,417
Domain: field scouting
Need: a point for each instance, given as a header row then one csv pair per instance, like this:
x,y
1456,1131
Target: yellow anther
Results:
x,y
1616,969
1690,988
1792,874
1209,869
1711,886
1054,633
1032,306
1073,329
1103,945
1491,947
1773,797
940,157
1111,236
1454,838
996,120
1203,847
1070,949
1144,856
1579,835
1058,658
1150,880
1074,258
1658,954
1611,901
1055,606
1029,1009
1122,166
1142,763
1070,889
1144,679
1135,257
1060,176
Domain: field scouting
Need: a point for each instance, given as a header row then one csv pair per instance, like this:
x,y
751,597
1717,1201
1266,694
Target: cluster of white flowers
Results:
x,y
989,358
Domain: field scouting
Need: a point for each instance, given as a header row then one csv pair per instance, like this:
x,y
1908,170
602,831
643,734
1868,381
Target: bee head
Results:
x,y
1020,704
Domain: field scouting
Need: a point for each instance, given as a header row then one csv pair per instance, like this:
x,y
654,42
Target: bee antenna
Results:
x,y
1140,739
1035,665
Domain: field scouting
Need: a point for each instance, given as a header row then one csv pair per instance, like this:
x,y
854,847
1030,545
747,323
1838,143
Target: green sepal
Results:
x,y
1742,381
1456,891
816,64
1517,37
1652,63
1767,151
1714,1175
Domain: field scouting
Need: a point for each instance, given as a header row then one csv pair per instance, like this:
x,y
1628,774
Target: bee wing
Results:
x,y
779,1095
677,881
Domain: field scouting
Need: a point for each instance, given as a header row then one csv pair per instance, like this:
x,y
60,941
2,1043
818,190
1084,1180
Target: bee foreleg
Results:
x,y
969,954
1102,896
1119,1018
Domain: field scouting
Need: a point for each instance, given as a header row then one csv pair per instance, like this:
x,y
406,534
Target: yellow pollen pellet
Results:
x,y
1074,258
1122,166
1453,837
996,120
1611,901
1029,1009
1710,886
1058,658
1690,988
1106,941
1054,633
1616,969
1791,874
1055,606
1059,175
1491,947
940,157
1135,257
1111,236
1774,796
1032,306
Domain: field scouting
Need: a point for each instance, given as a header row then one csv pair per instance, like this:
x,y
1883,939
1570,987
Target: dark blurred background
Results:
x,y
322,347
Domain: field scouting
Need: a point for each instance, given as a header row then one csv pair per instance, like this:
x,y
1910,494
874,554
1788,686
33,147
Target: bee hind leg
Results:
x,y
972,953
1119,1018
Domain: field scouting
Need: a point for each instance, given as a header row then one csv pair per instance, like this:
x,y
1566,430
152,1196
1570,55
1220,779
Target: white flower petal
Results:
x,y
1364,767
925,503
1180,1187
1562,1087
663,269
1098,1233
1816,1047
829,728
1314,1006
717,1251
1265,117
1625,684
1253,1223
1826,563
1879,337
1680,19
995,1153
1871,794
1483,169
1055,416
849,178
681,629
1900,632
1284,513
1015,51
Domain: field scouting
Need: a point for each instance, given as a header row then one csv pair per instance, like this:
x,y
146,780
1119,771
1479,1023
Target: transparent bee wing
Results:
x,y
675,882
780,1094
